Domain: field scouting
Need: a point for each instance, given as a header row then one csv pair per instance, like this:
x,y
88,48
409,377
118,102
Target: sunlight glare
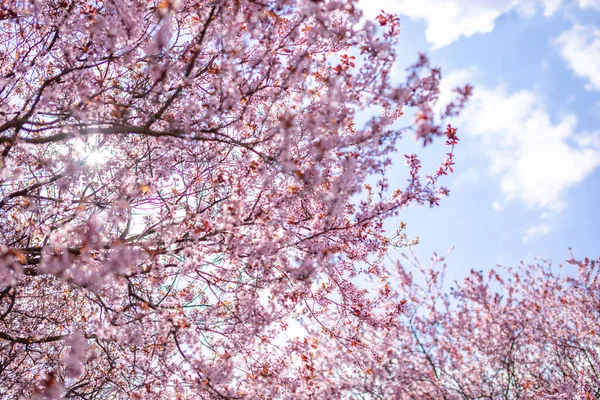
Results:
x,y
97,157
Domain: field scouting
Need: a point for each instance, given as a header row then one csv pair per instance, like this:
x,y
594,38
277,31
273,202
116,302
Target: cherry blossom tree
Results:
x,y
527,332
184,182
192,207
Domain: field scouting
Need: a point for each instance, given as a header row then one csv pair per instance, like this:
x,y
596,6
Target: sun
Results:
x,y
97,157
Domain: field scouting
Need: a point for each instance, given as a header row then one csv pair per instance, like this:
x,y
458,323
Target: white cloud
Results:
x,y
580,48
497,206
536,231
448,20
534,158
589,4
589,140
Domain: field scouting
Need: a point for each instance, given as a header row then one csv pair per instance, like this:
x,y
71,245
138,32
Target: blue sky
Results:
x,y
527,178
